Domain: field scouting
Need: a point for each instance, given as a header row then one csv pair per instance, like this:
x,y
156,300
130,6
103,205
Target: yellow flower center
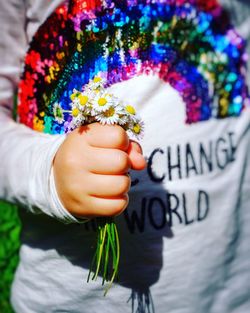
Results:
x,y
75,112
97,79
110,112
72,97
130,109
102,102
83,99
137,128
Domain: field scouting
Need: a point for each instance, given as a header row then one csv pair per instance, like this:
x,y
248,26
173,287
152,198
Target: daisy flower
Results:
x,y
102,103
110,116
130,113
82,102
78,118
58,113
74,95
130,110
97,85
136,129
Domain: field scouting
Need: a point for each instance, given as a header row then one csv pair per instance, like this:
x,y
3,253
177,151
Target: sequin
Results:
x,y
188,44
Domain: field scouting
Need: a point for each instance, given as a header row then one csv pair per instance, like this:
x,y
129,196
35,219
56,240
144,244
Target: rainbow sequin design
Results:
x,y
188,44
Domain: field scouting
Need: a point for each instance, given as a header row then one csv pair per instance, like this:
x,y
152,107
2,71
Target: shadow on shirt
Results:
x,y
141,240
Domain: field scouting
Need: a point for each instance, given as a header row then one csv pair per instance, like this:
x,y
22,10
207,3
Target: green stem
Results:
x,y
115,271
107,246
99,257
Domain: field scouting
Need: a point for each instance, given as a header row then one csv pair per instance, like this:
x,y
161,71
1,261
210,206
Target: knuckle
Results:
x,y
123,184
121,205
123,162
119,136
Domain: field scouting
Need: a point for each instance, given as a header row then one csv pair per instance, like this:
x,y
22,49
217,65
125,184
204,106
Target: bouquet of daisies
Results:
x,y
95,104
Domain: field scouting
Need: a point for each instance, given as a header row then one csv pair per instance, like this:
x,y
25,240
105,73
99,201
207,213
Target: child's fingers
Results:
x,y
136,158
106,136
108,161
103,207
107,186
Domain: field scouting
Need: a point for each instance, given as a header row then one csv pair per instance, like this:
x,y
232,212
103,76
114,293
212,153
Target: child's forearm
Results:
x,y
26,157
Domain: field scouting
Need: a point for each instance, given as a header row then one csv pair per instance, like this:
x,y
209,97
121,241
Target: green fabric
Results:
x,y
9,246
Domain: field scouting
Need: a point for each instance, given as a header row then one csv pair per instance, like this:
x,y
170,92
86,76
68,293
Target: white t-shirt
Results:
x,y
185,235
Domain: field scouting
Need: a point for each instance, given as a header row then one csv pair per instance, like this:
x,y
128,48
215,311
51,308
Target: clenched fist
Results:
x,y
90,170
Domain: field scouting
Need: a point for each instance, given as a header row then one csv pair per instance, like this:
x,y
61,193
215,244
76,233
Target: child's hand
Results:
x,y
90,170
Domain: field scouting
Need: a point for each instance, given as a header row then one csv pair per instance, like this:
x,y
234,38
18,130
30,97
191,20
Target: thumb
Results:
x,y
137,161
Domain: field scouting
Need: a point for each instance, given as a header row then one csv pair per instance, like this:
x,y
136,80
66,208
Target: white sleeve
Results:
x,y
26,156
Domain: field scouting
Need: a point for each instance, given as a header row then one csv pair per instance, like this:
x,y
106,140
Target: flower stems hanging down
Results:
x,y
95,104
107,255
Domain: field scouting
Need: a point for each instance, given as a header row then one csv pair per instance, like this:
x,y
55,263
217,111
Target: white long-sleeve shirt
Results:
x,y
34,153
184,240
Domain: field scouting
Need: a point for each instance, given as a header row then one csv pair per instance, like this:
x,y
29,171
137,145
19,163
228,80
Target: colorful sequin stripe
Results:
x,y
188,44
